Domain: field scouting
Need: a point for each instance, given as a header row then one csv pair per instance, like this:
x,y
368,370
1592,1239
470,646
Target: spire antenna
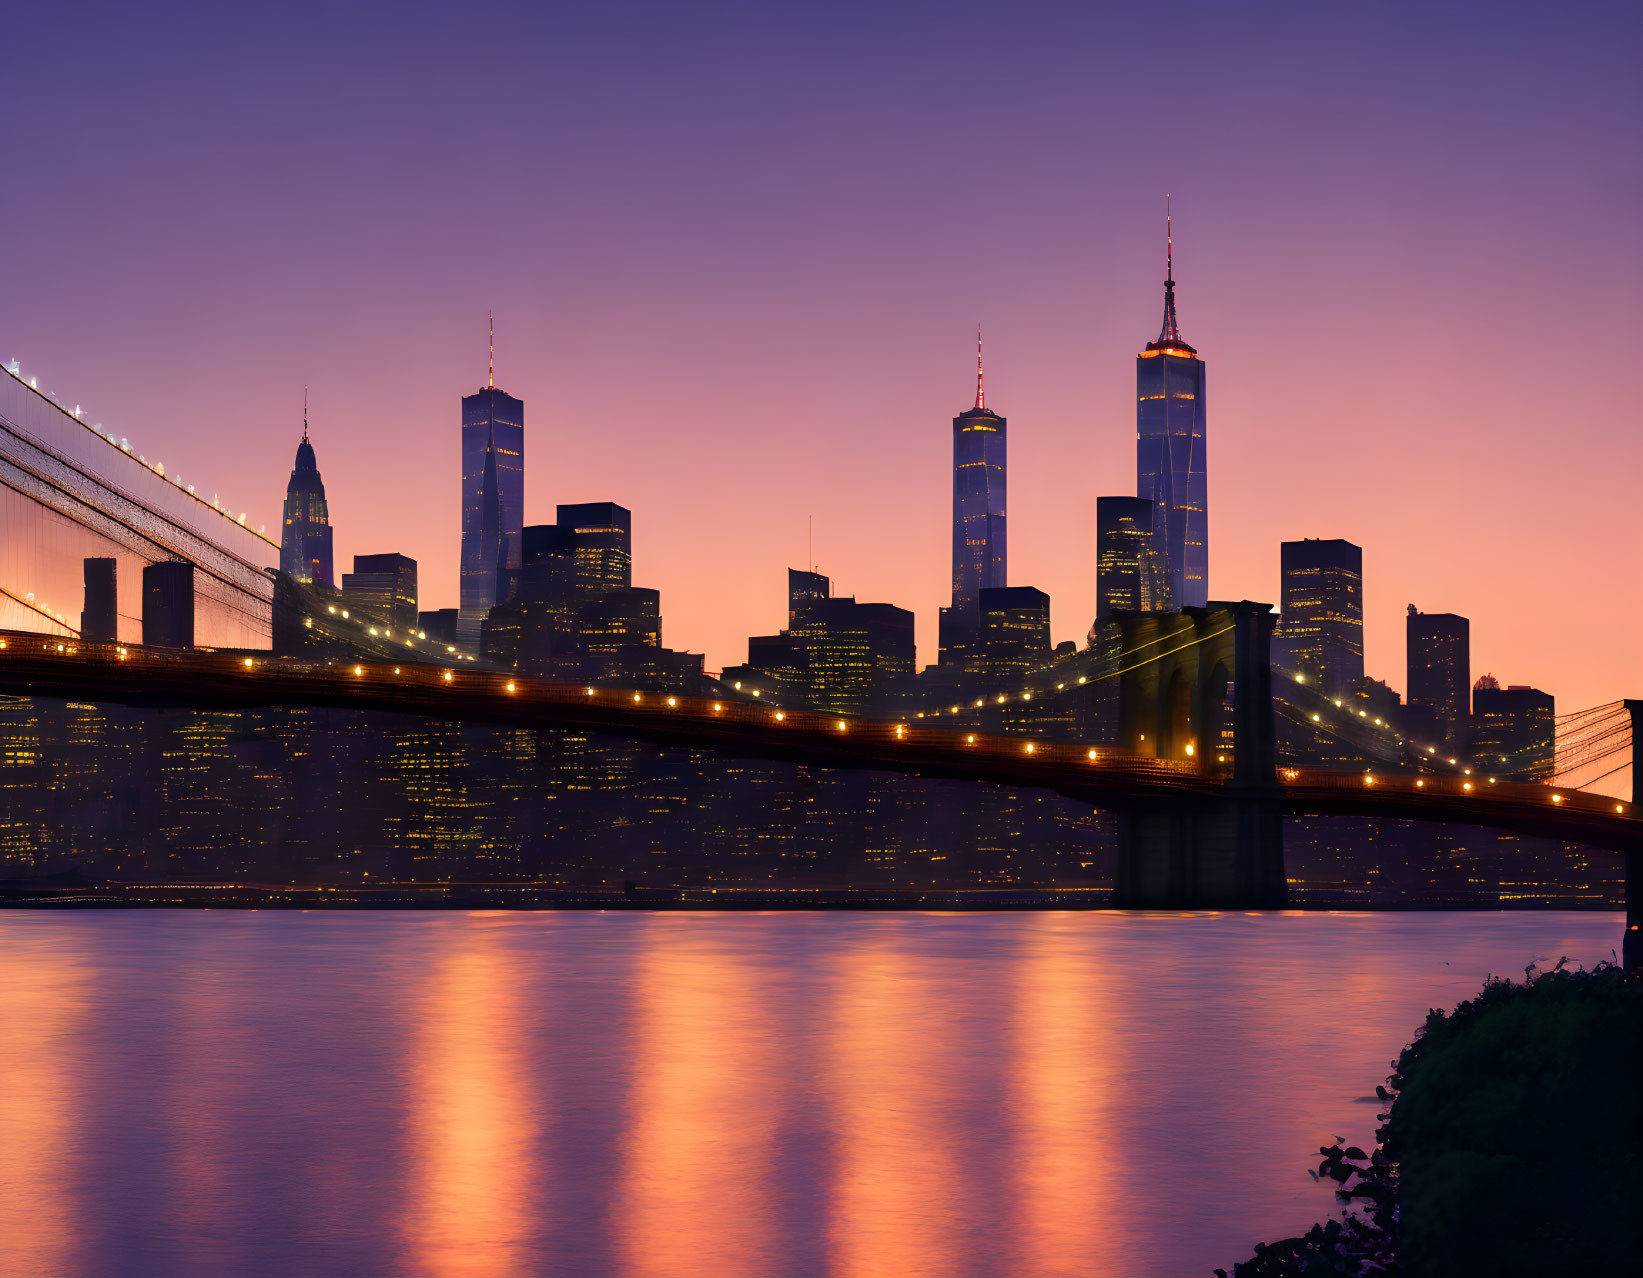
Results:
x,y
491,379
1169,242
305,412
981,394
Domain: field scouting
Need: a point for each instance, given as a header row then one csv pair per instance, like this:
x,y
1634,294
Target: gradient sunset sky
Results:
x,y
737,254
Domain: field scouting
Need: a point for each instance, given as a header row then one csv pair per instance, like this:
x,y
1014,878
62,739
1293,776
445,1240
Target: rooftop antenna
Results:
x,y
981,395
1169,243
491,380
305,412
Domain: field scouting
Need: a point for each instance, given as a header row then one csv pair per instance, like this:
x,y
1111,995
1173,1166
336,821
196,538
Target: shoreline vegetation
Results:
x,y
1509,1145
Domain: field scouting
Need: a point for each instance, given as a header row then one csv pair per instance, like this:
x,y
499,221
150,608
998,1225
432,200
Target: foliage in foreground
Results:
x,y
1512,1145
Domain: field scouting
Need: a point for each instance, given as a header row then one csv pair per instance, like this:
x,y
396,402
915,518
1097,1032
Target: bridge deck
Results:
x,y
34,664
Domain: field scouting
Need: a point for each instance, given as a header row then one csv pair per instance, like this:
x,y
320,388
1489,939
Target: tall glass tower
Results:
x,y
1170,460
305,534
493,500
979,548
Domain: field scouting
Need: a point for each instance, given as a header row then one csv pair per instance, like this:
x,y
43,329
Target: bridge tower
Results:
x,y
1631,950
1198,689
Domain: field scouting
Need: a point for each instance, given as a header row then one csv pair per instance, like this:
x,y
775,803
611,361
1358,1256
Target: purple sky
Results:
x,y
737,254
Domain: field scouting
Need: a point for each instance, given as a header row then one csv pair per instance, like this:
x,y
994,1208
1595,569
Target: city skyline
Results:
x,y
698,426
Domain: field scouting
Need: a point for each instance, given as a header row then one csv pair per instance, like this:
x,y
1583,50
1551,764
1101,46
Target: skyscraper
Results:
x,y
1514,732
493,498
1129,576
1321,633
168,604
100,622
1440,671
384,586
1170,458
305,537
979,548
602,535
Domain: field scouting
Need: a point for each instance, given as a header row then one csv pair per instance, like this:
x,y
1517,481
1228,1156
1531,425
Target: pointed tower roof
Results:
x,y
1170,335
980,409
305,450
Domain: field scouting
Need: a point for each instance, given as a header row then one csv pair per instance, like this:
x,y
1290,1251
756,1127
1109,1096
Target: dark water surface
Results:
x,y
198,1092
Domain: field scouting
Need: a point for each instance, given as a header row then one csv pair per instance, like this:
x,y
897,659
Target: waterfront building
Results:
x,y
100,621
305,534
168,604
1320,633
384,587
493,500
1129,574
1514,732
1440,673
980,552
1170,441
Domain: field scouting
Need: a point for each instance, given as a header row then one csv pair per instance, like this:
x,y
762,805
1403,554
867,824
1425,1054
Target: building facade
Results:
x,y
980,548
384,586
100,619
1129,574
602,541
1171,465
1321,631
1514,732
493,502
168,604
1440,673
305,534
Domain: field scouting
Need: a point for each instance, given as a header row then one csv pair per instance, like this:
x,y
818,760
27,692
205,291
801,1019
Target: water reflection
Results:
x,y
475,1172
42,1015
695,1095
703,1110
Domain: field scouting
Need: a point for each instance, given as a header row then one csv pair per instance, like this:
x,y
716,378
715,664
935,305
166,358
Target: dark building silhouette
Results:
x,y
1170,458
168,604
1440,674
438,624
383,586
100,621
980,550
493,501
1514,732
1320,634
305,535
1129,574
804,590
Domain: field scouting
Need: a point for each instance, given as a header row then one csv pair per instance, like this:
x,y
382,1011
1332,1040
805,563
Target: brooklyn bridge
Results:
x,y
1190,759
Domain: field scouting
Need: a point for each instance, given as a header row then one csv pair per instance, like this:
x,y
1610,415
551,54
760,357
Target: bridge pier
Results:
x,y
1223,853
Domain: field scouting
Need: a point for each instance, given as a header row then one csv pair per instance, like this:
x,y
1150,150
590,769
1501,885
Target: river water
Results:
x,y
208,1092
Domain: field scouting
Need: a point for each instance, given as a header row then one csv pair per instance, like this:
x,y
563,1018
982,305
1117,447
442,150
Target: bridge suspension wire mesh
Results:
x,y
1597,737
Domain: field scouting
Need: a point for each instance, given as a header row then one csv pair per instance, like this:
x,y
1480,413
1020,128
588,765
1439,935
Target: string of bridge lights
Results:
x,y
124,445
511,686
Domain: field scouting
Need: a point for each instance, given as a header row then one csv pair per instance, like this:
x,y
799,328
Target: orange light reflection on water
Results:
x,y
898,1202
474,1173
42,1014
1067,1090
694,1195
